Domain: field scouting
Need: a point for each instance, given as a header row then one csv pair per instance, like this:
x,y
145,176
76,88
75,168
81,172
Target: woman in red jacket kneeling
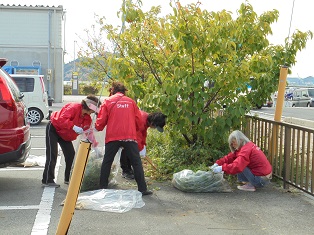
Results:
x,y
247,161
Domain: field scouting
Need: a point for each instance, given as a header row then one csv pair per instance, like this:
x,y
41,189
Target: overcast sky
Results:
x,y
80,16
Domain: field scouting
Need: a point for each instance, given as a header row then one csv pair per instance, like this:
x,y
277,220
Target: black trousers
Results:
x,y
52,140
125,162
131,149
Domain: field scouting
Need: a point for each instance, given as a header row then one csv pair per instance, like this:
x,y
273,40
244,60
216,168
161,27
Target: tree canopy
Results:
x,y
193,63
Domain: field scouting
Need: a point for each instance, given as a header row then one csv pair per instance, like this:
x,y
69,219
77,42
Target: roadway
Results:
x,y
306,113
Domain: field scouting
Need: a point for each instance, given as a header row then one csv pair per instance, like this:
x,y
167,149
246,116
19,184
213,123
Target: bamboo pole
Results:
x,y
74,187
281,93
279,108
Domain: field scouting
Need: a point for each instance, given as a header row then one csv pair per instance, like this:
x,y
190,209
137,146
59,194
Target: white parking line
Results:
x,y
33,207
43,216
22,169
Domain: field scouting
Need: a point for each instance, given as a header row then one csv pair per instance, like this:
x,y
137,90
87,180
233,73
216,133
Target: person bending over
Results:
x,y
122,119
156,120
65,126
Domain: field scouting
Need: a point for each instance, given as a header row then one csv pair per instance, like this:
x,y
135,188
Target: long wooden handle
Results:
x,y
150,162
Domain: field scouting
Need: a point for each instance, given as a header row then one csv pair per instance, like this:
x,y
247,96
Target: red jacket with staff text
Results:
x,y
249,155
121,116
70,115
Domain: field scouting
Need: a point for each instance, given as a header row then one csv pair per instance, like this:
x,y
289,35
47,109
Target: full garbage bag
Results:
x,y
200,181
92,171
110,200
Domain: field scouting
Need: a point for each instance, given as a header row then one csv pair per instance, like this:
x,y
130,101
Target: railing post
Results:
x,y
287,154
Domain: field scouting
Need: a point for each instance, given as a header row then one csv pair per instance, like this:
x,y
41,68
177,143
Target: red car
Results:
x,y
15,139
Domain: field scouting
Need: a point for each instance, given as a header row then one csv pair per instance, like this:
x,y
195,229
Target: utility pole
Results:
x,y
74,69
75,82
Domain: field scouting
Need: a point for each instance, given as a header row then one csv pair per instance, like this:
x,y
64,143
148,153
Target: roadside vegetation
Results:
x,y
191,64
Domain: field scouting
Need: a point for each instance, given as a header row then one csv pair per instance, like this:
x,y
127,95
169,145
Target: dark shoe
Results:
x,y
147,192
52,185
127,175
66,182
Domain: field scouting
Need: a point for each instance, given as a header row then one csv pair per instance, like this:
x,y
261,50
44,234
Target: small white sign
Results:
x,y
74,84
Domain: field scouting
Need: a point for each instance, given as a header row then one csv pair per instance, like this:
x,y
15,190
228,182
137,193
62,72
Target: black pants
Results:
x,y
125,162
52,140
131,149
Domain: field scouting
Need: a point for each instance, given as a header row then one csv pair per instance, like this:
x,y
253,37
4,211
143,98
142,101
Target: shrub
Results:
x,y
67,90
171,154
88,89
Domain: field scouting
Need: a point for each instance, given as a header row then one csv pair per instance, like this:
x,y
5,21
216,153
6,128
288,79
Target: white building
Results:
x,y
33,36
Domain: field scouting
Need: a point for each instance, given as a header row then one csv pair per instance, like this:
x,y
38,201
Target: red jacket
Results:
x,y
70,115
249,156
121,116
142,133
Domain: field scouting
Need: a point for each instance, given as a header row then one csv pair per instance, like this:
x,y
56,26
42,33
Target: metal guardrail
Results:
x,y
289,149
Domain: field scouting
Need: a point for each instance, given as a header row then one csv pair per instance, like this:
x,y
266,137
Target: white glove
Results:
x,y
143,152
98,152
213,166
78,130
217,169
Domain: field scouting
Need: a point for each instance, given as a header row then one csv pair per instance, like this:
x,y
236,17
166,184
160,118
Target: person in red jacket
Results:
x,y
156,120
64,127
247,161
122,119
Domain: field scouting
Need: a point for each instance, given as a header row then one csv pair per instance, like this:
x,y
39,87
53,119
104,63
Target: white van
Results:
x,y
35,96
302,97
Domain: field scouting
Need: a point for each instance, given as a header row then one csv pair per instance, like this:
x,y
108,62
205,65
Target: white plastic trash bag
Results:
x,y
33,160
200,182
111,200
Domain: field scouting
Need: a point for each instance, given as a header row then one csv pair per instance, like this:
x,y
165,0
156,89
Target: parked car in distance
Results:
x,y
268,103
35,96
15,139
301,97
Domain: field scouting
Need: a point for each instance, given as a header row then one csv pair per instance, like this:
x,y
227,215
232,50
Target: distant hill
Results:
x,y
68,70
292,81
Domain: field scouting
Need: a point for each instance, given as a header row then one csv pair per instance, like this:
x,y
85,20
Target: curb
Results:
x,y
300,122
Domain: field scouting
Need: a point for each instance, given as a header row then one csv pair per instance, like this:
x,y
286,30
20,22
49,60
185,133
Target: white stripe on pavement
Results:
x,y
33,207
43,216
38,168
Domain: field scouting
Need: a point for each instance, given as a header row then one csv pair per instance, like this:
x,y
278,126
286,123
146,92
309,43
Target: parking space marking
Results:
x,y
23,169
43,216
32,207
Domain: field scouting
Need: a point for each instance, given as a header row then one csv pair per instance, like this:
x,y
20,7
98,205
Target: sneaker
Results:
x,y
147,192
52,185
246,187
127,175
66,182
